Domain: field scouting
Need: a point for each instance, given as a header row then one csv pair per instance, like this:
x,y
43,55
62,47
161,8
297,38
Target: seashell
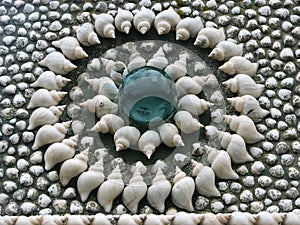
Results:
x,y
123,20
86,35
242,218
215,219
125,137
50,81
205,180
269,218
136,61
49,134
94,65
209,37
183,218
44,98
178,68
249,106
78,220
159,191
153,219
193,104
100,218
42,116
224,50
189,85
100,105
169,135
290,218
183,190
239,64
28,220
104,25
148,142
71,48
126,219
108,123
73,167
8,220
186,123
89,180
166,20
110,189
143,20
53,220
114,69
134,192
188,28
158,60
57,63
242,84
104,86
59,152
244,127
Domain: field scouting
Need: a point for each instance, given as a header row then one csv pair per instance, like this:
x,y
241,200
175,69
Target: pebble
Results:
x,y
229,198
76,207
274,194
286,205
248,181
260,193
94,207
28,208
256,207
264,181
9,186
42,183
11,208
44,201
292,193
276,171
54,190
69,193
26,179
216,206
60,205
19,195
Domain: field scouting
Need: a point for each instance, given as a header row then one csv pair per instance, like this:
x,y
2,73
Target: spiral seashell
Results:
x,y
42,116
158,60
86,35
61,151
189,85
53,220
110,189
239,218
108,123
28,220
123,20
188,28
193,104
104,25
224,50
100,105
166,20
89,180
186,123
125,137
57,63
249,106
244,127
45,98
50,81
143,20
114,69
183,190
126,219
148,142
153,219
73,167
159,191
215,219
239,64
178,68
100,218
136,61
70,47
8,220
205,180
78,220
264,218
290,218
49,134
183,218
169,135
104,86
242,84
209,37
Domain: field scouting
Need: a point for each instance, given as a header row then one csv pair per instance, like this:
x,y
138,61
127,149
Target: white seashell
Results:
x,y
73,167
186,123
104,86
209,37
239,64
104,25
78,220
249,106
205,180
183,190
53,220
158,60
148,142
153,219
94,65
215,219
126,219
135,61
100,218
244,127
49,134
166,21
264,218
189,85
50,81
193,104
242,84
100,105
71,48
8,220
59,152
86,35
169,135
110,189
57,63
178,68
221,164
42,116
45,98
125,137
224,50
242,218
143,20
123,20
188,28
28,220
114,69
108,123
290,218
183,218
89,180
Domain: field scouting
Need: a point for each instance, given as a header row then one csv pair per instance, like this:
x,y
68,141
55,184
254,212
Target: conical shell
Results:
x,y
100,218
114,69
166,21
125,137
264,218
104,86
224,50
28,220
193,104
153,219
189,85
126,219
104,25
108,123
239,218
239,64
215,219
148,142
136,61
123,20
183,218
188,28
209,37
169,135
158,60
45,98
290,218
143,20
186,123
178,68
86,35
50,81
